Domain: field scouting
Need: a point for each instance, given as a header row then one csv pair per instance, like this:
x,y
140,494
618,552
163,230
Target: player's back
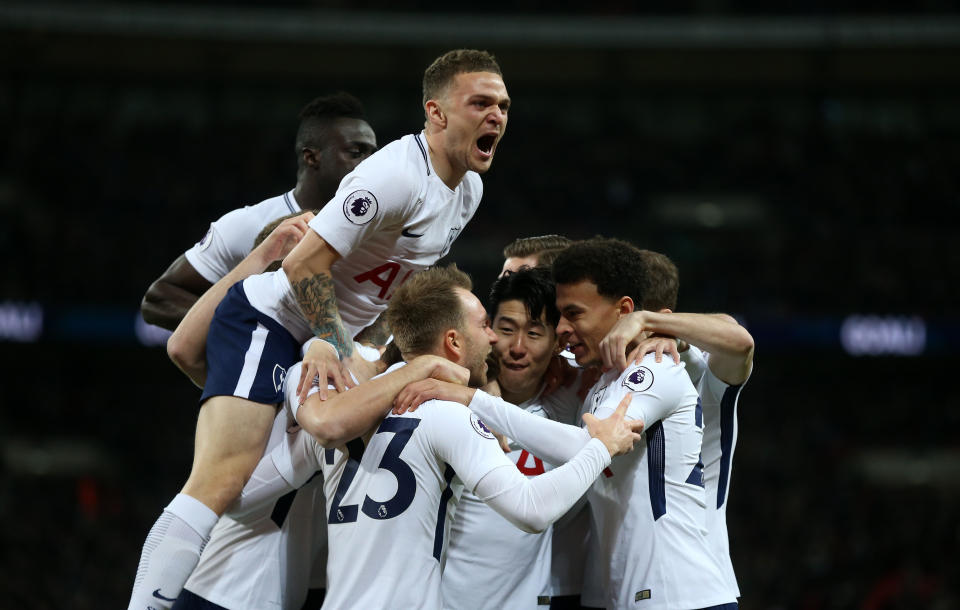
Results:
x,y
388,518
719,401
648,509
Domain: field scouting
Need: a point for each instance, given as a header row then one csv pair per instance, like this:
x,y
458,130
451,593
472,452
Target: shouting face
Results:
x,y
474,112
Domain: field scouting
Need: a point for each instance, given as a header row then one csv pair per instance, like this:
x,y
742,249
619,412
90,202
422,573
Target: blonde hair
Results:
x,y
425,307
442,71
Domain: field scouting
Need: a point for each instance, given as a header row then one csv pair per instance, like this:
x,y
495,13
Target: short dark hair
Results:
x,y
320,112
425,307
663,281
523,247
533,287
614,265
442,71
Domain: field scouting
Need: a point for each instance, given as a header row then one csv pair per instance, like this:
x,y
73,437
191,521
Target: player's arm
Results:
x,y
534,503
308,270
729,344
347,415
549,440
370,199
187,345
659,389
171,295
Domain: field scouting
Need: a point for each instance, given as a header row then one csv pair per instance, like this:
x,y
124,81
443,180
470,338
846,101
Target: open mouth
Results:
x,y
485,144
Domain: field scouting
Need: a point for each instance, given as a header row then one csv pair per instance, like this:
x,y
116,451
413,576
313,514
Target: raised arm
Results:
x,y
171,295
187,345
730,345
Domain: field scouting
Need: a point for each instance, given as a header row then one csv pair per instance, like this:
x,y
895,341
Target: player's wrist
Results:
x,y
466,395
605,447
312,344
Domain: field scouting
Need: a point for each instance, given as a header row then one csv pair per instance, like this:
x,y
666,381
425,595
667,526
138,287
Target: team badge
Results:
x,y
639,380
279,374
360,207
204,243
480,427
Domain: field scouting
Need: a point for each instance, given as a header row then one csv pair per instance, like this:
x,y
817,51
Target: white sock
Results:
x,y
171,552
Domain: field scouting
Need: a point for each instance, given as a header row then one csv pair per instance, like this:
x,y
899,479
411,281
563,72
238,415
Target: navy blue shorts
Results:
x,y
248,352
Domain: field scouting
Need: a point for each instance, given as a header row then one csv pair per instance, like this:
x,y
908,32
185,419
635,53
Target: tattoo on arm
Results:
x,y
377,333
319,305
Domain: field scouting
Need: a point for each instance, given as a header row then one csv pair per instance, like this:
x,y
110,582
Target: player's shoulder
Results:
x,y
406,157
445,415
260,214
695,362
439,408
400,165
272,207
561,404
649,375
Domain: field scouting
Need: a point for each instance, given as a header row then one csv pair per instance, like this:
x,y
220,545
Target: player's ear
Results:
x,y
665,310
453,343
310,157
625,306
435,113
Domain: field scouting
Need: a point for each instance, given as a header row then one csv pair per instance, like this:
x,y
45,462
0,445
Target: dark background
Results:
x,y
798,162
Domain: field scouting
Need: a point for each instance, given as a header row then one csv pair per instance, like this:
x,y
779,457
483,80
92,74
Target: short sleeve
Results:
x,y
379,194
227,242
462,440
712,386
695,362
658,389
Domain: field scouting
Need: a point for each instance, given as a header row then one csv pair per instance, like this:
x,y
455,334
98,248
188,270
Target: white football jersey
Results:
x,y
391,216
719,402
264,556
388,521
488,553
230,238
647,538
572,532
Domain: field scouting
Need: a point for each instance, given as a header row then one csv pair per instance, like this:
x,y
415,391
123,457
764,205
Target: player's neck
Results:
x,y
518,396
445,170
308,195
